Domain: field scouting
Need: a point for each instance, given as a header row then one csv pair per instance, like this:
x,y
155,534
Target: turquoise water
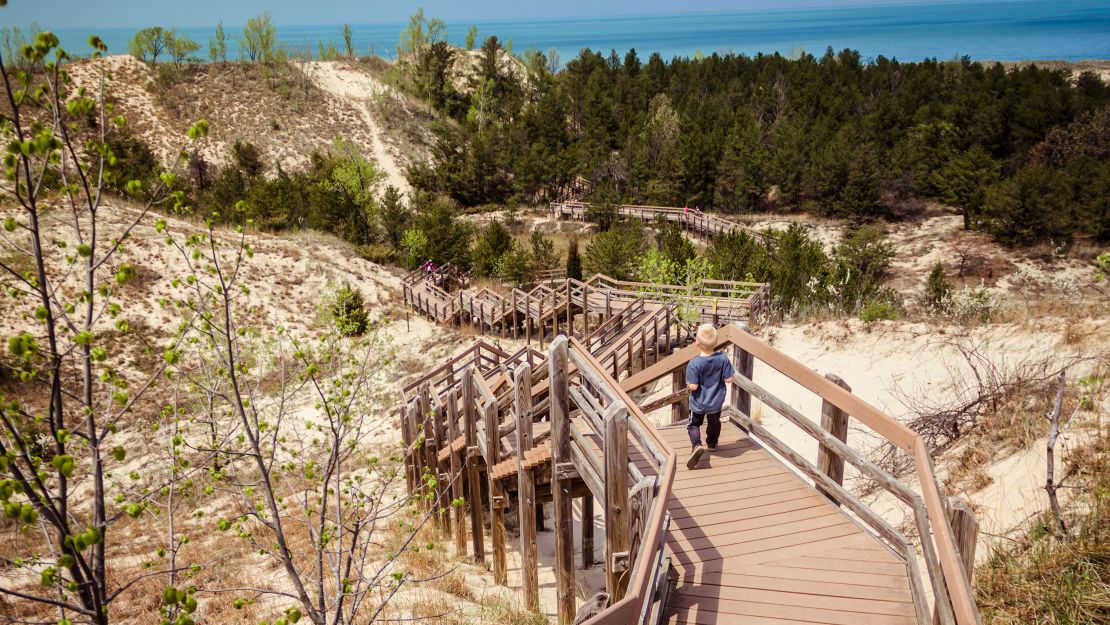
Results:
x,y
1008,30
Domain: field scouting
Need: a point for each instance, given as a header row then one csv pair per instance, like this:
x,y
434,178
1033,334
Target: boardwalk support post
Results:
x,y
587,531
456,473
497,497
474,500
526,487
559,410
835,422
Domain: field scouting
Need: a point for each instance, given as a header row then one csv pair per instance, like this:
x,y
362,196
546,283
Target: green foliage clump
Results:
x,y
345,308
615,251
259,38
938,290
735,133
515,266
1035,205
861,263
877,310
493,242
574,260
543,251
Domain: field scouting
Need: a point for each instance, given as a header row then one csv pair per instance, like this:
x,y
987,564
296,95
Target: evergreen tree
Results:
x,y
395,216
574,261
615,251
492,244
741,174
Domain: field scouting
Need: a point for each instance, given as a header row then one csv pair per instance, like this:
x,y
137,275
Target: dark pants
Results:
x,y
712,430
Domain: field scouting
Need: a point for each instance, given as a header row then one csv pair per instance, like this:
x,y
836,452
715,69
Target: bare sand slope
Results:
x,y
898,367
360,89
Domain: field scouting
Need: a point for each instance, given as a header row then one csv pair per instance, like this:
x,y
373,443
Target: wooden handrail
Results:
x,y
951,569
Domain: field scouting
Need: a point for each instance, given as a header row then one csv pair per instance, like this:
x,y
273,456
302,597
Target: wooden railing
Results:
x,y
686,217
635,498
954,603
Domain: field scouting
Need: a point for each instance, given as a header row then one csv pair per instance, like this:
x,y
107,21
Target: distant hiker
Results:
x,y
429,267
685,211
707,377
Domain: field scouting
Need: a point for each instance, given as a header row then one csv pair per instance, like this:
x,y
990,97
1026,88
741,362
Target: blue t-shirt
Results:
x,y
709,373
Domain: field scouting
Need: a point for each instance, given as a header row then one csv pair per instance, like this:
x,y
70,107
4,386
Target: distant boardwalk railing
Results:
x,y
688,218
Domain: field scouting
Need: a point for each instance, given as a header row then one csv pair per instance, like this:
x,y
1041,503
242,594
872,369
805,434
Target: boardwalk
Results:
x,y
759,535
752,543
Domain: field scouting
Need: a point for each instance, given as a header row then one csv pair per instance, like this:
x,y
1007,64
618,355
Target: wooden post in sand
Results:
x,y
526,487
474,498
587,530
561,481
835,422
497,495
456,473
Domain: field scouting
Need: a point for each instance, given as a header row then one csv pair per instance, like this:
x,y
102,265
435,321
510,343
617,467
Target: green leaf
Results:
x,y
83,338
119,453
125,274
84,250
9,224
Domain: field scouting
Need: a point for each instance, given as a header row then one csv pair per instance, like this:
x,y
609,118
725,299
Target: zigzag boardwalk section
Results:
x,y
759,534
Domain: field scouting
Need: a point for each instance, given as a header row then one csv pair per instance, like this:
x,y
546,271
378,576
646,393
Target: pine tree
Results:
x,y
741,174
574,261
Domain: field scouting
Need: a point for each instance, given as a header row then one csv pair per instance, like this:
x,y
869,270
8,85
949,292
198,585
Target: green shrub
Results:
x,y
346,309
516,267
876,310
862,260
574,260
615,251
492,244
378,253
938,290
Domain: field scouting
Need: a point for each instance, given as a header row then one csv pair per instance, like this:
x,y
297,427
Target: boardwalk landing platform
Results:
x,y
754,544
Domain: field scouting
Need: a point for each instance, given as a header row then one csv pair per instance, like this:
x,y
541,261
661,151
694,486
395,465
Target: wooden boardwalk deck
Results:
x,y
754,544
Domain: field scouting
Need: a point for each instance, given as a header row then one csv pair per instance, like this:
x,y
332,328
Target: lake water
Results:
x,y
1009,30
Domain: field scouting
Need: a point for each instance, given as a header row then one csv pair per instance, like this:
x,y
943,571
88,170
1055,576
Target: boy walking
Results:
x,y
707,376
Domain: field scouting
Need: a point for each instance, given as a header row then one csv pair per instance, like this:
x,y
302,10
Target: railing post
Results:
x,y
527,318
570,316
516,316
406,440
526,487
680,410
474,500
540,327
835,422
585,309
429,450
965,529
618,518
559,403
744,364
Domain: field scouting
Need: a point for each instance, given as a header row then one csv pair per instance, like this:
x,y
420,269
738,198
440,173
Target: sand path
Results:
x,y
360,89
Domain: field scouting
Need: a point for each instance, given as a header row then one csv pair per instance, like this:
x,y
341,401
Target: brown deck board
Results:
x,y
754,544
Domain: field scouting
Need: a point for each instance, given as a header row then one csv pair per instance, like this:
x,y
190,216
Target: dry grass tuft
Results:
x,y
1043,578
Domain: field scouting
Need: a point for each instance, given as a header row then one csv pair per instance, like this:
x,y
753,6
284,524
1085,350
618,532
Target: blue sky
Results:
x,y
138,13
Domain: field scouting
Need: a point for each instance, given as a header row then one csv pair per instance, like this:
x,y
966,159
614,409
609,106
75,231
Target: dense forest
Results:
x,y
1023,153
